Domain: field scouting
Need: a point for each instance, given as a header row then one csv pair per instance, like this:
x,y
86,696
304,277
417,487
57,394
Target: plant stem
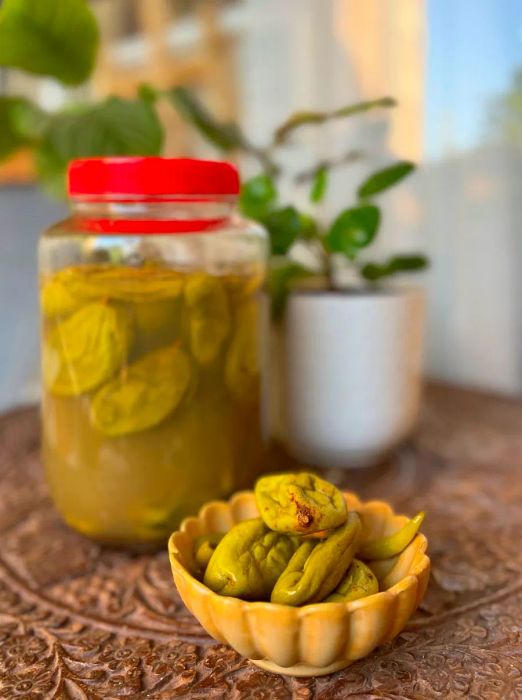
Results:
x,y
330,274
262,155
326,260
308,175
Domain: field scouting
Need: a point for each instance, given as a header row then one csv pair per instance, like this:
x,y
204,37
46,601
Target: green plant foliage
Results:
x,y
113,127
148,93
282,275
29,120
224,136
354,229
284,227
10,137
51,170
58,38
319,185
310,117
258,196
309,228
373,272
21,124
383,179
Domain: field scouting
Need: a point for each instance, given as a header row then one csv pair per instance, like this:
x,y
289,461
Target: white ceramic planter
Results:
x,y
348,374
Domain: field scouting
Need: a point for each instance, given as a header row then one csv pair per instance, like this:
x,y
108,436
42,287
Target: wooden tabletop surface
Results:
x,y
81,622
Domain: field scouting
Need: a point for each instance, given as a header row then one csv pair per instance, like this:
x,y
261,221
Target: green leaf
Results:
x,y
353,229
408,263
21,124
10,137
309,228
29,120
385,178
284,227
115,127
282,277
399,263
310,117
258,196
148,93
225,136
319,185
51,171
58,38
374,271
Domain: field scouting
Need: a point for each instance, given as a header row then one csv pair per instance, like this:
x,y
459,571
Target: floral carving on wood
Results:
x,y
86,623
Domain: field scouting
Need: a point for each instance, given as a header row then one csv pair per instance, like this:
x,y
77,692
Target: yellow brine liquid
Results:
x,y
151,399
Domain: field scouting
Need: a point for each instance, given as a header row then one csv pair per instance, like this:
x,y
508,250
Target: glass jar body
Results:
x,y
151,363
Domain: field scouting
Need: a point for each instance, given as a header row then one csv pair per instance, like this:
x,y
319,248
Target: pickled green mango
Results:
x,y
145,393
359,582
382,567
242,361
86,349
249,560
299,503
246,283
155,318
157,324
204,548
207,447
318,566
122,283
57,300
386,547
138,284
208,314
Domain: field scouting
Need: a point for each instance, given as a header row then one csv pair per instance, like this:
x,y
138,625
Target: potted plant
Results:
x,y
347,355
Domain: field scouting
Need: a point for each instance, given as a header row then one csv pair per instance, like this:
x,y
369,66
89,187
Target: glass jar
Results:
x,y
152,317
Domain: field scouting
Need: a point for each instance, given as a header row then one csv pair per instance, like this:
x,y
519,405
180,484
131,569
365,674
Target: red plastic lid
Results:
x,y
150,177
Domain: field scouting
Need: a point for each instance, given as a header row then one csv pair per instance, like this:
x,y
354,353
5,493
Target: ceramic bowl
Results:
x,y
311,640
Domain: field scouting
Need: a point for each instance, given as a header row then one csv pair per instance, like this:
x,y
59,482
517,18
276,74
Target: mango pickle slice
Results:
x,y
299,503
318,566
57,300
144,393
242,285
386,547
208,314
122,283
204,548
154,318
249,560
359,582
137,284
242,360
86,349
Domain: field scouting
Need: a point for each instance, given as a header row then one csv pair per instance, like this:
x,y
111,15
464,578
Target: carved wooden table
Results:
x,y
78,621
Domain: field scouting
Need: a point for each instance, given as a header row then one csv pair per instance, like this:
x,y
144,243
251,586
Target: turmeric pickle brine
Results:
x,y
152,314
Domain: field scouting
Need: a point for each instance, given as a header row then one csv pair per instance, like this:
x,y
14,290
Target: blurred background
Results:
x,y
455,67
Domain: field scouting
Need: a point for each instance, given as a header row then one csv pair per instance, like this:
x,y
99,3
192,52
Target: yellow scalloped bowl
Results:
x,y
312,640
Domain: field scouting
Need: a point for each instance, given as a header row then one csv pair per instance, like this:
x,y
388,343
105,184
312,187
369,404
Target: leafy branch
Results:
x,y
225,136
